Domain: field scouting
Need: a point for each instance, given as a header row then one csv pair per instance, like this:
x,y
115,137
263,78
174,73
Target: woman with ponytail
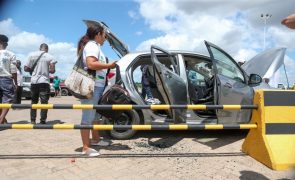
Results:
x,y
90,47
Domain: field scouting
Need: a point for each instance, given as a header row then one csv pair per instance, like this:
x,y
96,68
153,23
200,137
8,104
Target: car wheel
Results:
x,y
126,118
64,92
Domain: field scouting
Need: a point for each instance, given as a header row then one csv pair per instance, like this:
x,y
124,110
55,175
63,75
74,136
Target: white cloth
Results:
x,y
7,63
274,79
41,71
19,77
92,48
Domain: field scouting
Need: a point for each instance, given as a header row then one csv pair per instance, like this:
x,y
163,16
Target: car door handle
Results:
x,y
228,85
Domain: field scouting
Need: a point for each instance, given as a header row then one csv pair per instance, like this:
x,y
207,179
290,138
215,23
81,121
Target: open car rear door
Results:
x,y
120,48
170,85
231,86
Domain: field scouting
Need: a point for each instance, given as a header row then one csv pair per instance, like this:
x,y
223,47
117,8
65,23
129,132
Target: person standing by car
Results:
x,y
8,77
94,59
56,85
40,63
19,90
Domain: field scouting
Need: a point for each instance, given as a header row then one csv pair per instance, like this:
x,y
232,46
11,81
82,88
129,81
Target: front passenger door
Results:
x,y
231,87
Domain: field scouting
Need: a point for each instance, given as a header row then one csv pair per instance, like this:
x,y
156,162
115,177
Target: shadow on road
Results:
x,y
211,138
246,175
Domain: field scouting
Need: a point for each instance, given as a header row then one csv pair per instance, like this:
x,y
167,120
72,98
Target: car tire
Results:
x,y
64,92
127,118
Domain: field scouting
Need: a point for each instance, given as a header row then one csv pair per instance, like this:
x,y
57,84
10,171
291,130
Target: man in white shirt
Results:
x,y
40,63
8,77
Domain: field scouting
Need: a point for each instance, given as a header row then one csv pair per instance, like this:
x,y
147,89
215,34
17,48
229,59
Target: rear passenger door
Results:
x,y
231,87
171,86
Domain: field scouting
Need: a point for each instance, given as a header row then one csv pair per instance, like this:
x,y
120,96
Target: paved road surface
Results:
x,y
55,154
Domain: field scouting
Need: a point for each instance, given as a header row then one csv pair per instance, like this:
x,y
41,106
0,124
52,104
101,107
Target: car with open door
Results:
x,y
180,77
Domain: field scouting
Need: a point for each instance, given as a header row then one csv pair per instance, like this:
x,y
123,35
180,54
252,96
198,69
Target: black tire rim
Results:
x,y
124,119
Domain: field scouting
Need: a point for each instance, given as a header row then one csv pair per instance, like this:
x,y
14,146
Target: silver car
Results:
x,y
182,77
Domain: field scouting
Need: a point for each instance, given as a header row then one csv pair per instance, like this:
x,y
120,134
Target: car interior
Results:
x,y
137,76
200,80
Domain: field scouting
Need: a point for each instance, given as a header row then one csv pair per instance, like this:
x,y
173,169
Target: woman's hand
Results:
x,y
112,64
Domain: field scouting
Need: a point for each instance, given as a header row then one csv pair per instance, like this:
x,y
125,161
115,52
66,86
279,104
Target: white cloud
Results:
x,y
138,33
236,27
22,43
133,15
7,27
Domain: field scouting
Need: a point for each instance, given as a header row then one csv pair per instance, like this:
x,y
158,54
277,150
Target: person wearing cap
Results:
x,y
8,76
40,64
289,21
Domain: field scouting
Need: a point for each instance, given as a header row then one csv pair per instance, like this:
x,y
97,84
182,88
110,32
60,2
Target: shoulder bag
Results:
x,y
35,64
80,82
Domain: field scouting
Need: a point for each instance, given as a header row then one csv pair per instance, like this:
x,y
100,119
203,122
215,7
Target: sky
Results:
x,y
235,26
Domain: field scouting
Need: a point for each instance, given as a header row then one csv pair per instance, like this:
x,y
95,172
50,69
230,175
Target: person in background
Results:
x,y
146,86
289,21
90,47
56,85
19,90
40,63
8,76
146,89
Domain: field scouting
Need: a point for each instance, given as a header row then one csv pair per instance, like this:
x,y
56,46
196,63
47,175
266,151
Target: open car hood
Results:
x,y
265,64
115,43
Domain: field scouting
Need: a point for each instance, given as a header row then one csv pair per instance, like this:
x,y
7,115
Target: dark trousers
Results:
x,y
43,91
18,95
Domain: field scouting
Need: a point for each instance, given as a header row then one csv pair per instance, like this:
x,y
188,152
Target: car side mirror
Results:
x,y
255,79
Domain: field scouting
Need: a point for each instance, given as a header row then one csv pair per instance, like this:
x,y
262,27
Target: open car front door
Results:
x,y
170,85
231,86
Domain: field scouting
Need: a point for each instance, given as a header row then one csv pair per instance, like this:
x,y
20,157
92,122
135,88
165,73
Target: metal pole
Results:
x,y
265,18
286,75
264,29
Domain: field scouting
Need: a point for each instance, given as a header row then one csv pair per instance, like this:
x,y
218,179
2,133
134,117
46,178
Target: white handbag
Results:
x,y
80,82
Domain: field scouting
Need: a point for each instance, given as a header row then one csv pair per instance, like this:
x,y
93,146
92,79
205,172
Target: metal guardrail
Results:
x,y
125,106
131,127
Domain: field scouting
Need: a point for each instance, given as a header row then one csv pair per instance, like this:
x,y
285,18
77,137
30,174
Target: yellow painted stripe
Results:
x,y
195,107
141,127
82,106
248,126
157,107
42,106
103,127
22,126
279,114
211,126
63,126
122,107
5,106
178,127
232,107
